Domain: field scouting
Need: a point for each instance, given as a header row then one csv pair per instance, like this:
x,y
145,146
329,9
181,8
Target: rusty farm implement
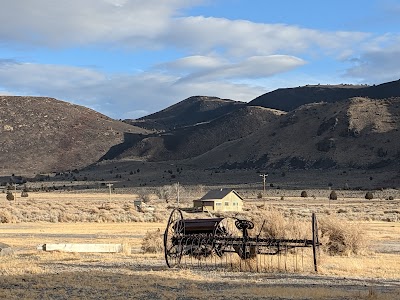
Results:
x,y
225,243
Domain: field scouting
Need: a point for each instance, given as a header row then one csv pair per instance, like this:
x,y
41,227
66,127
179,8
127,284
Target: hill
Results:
x,y
191,111
44,134
41,135
355,133
288,99
190,141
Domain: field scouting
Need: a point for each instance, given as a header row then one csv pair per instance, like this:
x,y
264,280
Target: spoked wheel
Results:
x,y
225,230
315,241
173,239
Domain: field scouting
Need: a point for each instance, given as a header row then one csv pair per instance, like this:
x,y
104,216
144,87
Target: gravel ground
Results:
x,y
91,277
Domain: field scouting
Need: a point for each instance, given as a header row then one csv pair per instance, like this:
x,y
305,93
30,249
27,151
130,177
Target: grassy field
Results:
x,y
65,218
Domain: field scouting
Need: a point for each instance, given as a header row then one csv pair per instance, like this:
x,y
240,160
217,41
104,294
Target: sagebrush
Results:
x,y
340,237
153,242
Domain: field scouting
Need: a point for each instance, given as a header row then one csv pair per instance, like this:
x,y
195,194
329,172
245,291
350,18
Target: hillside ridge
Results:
x,y
288,99
41,134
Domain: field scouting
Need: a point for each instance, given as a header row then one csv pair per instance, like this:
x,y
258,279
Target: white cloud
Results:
x,y
217,53
242,38
156,24
376,64
76,22
119,96
193,63
251,67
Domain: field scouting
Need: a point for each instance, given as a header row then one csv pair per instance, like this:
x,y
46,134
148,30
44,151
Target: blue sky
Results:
x,y
129,58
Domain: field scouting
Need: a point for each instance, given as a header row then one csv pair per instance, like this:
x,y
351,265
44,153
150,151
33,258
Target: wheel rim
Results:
x,y
315,241
172,239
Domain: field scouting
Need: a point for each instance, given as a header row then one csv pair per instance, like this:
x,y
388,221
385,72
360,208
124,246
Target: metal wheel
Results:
x,y
315,241
225,230
173,238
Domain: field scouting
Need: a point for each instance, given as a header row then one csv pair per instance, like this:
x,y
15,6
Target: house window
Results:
x,y
226,203
218,203
234,203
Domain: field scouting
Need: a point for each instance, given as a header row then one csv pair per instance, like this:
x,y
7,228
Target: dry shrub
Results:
x,y
339,237
153,242
159,217
126,248
278,227
6,217
298,229
242,265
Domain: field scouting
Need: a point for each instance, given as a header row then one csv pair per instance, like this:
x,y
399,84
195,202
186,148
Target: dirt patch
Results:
x,y
97,278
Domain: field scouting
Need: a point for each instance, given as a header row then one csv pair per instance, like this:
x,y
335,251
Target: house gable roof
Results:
x,y
219,194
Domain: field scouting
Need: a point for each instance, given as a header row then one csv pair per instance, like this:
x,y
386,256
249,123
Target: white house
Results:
x,y
220,200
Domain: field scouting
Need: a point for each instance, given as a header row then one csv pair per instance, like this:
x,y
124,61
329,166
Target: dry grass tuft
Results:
x,y
340,237
278,227
7,217
71,208
243,265
126,248
153,242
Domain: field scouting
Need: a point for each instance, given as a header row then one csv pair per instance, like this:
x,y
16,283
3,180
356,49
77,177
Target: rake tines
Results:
x,y
224,243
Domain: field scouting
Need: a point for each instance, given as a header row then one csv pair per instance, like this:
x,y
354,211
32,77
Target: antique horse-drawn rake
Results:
x,y
225,243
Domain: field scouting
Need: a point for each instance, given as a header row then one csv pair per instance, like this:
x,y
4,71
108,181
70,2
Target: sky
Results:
x,y
129,58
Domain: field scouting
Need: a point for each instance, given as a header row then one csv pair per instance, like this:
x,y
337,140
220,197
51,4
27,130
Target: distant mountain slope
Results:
x,y
188,112
288,99
194,140
358,133
44,134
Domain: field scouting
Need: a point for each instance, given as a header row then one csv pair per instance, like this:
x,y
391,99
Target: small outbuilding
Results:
x,y
220,200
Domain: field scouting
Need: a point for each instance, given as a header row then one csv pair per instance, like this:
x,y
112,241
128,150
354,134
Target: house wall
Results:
x,y
230,202
208,205
197,204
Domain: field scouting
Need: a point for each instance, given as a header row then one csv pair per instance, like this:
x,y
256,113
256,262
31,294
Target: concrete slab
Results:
x,y
81,248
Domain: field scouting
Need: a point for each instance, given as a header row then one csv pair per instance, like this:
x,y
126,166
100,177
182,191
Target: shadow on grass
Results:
x,y
162,283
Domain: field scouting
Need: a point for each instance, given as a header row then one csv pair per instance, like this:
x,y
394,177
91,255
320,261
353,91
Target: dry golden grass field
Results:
x,y
372,273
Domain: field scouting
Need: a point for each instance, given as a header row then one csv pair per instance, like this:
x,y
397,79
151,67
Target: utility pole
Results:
x,y
264,176
15,192
109,187
177,193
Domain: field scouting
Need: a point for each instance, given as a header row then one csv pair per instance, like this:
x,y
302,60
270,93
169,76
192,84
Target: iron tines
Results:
x,y
224,243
